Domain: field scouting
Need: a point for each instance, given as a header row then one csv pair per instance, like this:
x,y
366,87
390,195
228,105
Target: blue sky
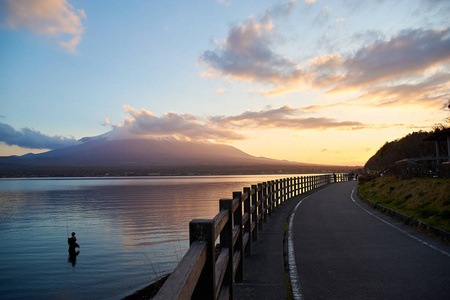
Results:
x,y
312,81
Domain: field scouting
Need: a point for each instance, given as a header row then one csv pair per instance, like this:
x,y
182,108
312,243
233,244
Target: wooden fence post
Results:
x,y
226,241
239,246
278,196
282,190
248,222
294,182
286,188
301,185
292,187
272,195
255,222
276,201
203,230
265,201
261,206
269,203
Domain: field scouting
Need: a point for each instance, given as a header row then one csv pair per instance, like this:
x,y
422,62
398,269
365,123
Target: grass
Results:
x,y
424,199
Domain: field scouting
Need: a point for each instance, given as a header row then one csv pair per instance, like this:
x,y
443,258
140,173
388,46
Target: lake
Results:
x,y
132,230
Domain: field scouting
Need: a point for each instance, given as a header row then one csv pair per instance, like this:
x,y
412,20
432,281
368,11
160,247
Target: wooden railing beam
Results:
x,y
183,280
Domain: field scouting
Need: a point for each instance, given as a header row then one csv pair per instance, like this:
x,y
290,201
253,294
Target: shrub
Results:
x,y
367,177
445,214
426,213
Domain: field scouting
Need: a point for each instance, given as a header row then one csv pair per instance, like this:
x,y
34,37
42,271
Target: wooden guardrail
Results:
x,y
208,269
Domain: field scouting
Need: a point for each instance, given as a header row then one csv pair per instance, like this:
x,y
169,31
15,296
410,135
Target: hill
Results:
x,y
413,145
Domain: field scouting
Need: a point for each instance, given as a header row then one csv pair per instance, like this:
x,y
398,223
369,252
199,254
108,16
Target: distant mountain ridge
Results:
x,y
106,154
103,152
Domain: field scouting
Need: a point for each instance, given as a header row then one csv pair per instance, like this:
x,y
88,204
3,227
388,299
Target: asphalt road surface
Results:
x,y
343,249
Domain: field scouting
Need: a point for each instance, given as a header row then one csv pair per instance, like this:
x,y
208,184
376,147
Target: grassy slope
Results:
x,y
425,199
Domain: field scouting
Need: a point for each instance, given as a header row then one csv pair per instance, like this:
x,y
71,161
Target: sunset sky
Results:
x,y
311,81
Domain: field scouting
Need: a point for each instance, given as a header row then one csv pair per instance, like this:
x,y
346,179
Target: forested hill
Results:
x,y
410,146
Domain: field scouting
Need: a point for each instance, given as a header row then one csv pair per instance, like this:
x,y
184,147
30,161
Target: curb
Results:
x,y
431,230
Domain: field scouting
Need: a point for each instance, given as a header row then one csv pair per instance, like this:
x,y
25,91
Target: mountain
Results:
x,y
96,156
137,152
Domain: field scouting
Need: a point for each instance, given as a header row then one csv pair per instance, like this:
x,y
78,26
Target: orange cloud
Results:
x,y
143,123
431,90
53,18
283,117
181,126
409,53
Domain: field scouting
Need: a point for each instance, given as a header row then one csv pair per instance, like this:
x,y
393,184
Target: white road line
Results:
x,y
292,265
401,230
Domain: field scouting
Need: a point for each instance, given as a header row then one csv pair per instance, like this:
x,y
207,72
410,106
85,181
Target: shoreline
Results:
x,y
149,291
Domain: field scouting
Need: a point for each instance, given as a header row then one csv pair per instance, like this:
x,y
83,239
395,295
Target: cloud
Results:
x,y
144,124
220,91
411,67
247,54
182,126
283,9
106,122
29,138
431,90
52,18
407,67
410,52
324,16
225,2
284,117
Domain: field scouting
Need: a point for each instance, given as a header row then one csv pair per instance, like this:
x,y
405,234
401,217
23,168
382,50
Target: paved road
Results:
x,y
343,249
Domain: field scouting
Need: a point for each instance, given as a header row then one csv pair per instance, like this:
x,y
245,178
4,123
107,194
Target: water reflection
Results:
x,y
72,259
143,222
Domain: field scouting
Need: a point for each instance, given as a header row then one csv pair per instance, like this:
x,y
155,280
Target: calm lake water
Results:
x,y
131,231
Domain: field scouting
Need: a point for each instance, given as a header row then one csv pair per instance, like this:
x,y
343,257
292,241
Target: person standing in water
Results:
x,y
73,242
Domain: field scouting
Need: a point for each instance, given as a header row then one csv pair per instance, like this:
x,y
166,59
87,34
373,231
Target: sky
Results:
x,y
325,82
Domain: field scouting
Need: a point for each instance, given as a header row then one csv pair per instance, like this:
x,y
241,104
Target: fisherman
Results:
x,y
72,242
